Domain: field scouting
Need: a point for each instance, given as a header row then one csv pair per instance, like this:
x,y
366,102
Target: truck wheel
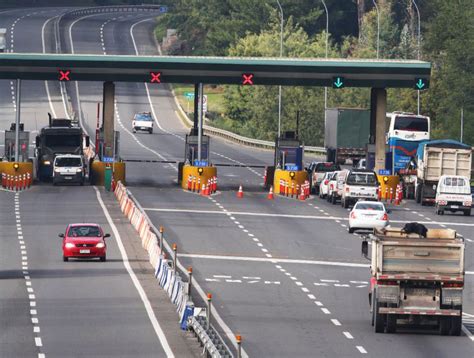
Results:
x,y
150,131
456,324
444,326
351,230
345,204
372,303
379,319
391,323
333,199
417,195
467,212
422,198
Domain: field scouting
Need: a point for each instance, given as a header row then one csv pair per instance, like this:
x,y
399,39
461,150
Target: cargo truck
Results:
x,y
3,43
59,137
432,160
346,134
416,280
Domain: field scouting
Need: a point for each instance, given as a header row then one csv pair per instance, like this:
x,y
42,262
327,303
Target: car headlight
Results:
x,y
47,162
78,170
57,170
100,245
69,245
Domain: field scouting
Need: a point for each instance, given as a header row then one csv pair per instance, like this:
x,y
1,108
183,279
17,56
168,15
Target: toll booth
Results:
x,y
101,145
288,163
24,141
193,166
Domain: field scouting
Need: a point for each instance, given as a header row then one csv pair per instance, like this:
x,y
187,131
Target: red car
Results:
x,y
84,241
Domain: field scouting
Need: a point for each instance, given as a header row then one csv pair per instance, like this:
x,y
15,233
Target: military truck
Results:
x,y
416,280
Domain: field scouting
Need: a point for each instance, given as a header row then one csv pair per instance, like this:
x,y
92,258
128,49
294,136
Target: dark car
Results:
x,y
316,171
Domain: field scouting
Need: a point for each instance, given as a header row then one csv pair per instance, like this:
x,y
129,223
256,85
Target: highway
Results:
x,y
285,274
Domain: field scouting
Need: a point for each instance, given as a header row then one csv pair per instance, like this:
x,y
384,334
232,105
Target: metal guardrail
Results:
x,y
241,139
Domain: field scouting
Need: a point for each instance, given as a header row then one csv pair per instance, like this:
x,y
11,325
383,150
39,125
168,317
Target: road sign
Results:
x,y
189,95
204,103
107,159
384,172
421,83
163,9
338,82
155,77
202,163
64,75
247,79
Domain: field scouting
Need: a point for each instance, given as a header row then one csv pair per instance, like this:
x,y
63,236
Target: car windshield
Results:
x,y
361,179
143,117
326,167
84,231
368,206
68,162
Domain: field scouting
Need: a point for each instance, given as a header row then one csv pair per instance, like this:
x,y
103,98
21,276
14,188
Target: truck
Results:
x,y
434,159
59,137
346,134
453,194
416,280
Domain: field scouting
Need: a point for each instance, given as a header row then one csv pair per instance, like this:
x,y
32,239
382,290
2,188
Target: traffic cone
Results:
x,y
113,184
391,195
302,196
4,180
199,185
29,179
16,182
270,194
240,193
203,190
189,182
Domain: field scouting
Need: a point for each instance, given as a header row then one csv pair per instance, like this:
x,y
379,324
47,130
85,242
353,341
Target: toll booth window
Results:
x,y
63,141
68,162
413,124
362,179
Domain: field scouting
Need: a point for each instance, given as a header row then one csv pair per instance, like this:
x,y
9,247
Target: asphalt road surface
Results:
x,y
284,274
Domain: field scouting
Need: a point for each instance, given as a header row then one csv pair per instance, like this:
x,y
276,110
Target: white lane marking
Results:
x,y
309,217
322,280
46,82
34,320
348,335
325,310
335,322
38,342
156,325
467,333
41,355
289,261
36,329
304,289
221,276
318,303
311,297
361,349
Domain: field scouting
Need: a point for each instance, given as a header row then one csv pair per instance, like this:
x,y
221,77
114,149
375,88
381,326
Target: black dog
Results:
x,y
415,228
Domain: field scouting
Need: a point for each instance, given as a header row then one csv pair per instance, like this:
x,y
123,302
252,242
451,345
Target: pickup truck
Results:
x,y
359,184
453,193
416,280
316,172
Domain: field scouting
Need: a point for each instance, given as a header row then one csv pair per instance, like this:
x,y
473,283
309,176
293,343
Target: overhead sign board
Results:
x,y
421,83
338,82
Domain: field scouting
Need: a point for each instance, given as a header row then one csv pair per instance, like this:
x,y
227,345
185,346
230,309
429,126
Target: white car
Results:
x,y
453,193
368,215
142,122
68,168
324,185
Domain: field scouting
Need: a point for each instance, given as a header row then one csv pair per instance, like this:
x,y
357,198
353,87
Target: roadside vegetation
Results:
x,y
252,28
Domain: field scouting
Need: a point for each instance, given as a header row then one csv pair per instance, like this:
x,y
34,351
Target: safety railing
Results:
x,y
168,276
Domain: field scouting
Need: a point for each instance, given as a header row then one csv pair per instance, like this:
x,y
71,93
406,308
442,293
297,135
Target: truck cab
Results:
x,y
68,168
453,193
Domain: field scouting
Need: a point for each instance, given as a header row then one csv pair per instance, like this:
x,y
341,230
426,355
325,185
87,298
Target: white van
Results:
x,y
453,193
68,168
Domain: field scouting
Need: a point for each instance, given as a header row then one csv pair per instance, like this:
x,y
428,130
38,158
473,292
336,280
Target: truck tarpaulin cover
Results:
x,y
440,143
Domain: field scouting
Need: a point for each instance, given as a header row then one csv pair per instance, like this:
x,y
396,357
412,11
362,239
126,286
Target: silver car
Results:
x,y
368,215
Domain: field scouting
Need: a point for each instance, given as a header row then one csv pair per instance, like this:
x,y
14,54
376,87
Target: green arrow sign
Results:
x,y
189,94
421,84
338,82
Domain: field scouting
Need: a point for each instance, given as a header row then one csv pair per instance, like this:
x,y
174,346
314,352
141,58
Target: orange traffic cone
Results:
x,y
270,194
240,193
302,196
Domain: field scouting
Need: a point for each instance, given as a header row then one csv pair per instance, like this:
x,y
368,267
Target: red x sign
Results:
x,y
247,78
64,75
155,77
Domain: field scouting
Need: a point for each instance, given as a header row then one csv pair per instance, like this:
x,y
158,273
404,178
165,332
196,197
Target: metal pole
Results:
x,y
209,300
17,119
419,49
238,339
462,124
281,55
190,273
327,43
200,122
175,255
378,26
162,233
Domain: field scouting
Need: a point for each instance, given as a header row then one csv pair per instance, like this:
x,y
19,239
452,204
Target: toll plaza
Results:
x,y
336,73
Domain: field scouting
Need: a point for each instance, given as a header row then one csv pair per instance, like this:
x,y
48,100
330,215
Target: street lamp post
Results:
x,y
327,42
281,55
378,26
419,48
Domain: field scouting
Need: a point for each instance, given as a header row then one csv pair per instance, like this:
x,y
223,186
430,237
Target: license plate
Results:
x,y
85,251
68,178
455,206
